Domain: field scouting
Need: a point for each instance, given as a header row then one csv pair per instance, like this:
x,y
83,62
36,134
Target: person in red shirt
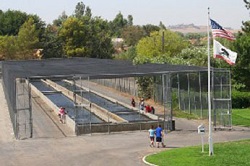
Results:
x,y
62,115
148,108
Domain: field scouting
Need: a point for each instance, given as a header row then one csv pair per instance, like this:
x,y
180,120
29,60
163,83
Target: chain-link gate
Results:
x,y
222,106
167,102
24,126
83,124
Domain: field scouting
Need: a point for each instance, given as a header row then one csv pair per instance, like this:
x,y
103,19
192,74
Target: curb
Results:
x,y
144,160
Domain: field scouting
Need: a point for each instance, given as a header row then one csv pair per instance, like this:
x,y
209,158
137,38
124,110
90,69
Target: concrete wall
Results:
x,y
97,110
95,128
69,122
110,127
149,115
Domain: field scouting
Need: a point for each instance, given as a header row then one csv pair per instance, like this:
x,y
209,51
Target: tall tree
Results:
x,y
132,34
28,39
241,71
118,24
130,20
162,26
8,47
82,11
150,28
59,21
247,4
86,38
73,33
100,39
79,10
52,44
11,21
154,49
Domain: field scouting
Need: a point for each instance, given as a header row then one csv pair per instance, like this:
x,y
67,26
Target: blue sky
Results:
x,y
228,13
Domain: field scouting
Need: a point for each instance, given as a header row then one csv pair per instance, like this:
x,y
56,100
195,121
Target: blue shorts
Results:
x,y
158,139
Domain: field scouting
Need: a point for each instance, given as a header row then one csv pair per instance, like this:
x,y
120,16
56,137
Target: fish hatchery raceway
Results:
x,y
55,144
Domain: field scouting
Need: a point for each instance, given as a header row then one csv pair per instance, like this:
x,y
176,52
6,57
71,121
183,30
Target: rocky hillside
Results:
x,y
191,28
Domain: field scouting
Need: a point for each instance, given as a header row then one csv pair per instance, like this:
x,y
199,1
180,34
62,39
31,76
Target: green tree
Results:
x,y
132,34
59,21
11,21
8,47
196,39
73,33
247,4
162,26
79,10
86,38
118,24
130,20
241,70
130,54
52,44
28,39
99,40
153,49
150,28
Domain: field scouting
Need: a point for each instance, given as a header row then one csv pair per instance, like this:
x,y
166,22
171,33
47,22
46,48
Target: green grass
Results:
x,y
241,117
182,114
228,154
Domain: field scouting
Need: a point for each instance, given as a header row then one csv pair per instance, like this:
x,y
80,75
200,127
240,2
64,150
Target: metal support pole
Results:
x,y
189,100
210,140
179,93
200,95
30,109
163,99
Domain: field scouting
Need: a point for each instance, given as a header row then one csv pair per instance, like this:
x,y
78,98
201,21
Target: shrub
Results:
x,y
240,99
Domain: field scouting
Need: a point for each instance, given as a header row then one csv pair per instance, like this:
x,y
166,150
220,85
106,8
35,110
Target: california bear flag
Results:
x,y
224,53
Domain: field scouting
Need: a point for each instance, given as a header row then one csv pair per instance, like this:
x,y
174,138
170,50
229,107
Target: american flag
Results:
x,y
218,31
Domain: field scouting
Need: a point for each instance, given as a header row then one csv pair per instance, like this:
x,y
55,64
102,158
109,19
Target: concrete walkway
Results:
x,y
125,148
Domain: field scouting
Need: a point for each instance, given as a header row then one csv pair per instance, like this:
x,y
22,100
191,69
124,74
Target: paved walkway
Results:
x,y
124,148
6,132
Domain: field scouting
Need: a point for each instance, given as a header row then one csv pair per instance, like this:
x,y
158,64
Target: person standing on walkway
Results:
x,y
62,115
152,110
159,135
152,136
148,108
133,102
142,104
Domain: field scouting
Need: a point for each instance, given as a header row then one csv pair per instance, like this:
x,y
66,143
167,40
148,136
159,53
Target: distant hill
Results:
x,y
191,28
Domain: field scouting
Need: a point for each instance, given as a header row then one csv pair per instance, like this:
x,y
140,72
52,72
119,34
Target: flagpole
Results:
x,y
210,140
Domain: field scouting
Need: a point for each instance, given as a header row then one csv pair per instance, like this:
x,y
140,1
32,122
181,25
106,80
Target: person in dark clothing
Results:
x,y
133,102
159,136
152,110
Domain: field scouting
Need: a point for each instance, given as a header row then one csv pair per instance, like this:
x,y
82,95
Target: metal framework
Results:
x,y
184,85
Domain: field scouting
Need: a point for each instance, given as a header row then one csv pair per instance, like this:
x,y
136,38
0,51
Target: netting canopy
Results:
x,y
89,66
186,84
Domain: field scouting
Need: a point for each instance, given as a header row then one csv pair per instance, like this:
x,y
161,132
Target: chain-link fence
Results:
x,y
23,118
188,92
181,87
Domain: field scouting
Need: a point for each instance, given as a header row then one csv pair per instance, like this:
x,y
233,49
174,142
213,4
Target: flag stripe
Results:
x,y
218,31
225,59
